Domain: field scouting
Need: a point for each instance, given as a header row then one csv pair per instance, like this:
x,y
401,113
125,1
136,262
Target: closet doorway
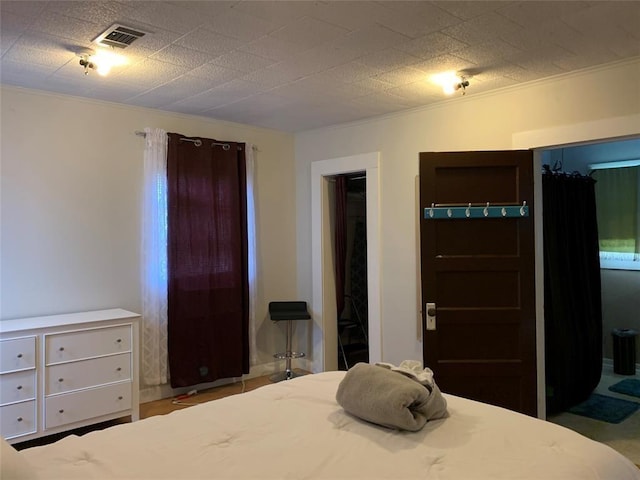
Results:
x,y
351,252
324,328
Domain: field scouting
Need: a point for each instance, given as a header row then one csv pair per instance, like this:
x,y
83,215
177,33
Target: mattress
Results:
x,y
296,430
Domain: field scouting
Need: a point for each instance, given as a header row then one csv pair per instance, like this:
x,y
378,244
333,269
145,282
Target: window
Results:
x,y
617,201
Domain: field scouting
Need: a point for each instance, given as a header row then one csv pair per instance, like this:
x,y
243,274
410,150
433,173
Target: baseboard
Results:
x,y
158,392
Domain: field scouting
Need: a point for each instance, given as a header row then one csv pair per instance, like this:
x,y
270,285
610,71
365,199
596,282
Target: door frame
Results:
x,y
615,128
324,333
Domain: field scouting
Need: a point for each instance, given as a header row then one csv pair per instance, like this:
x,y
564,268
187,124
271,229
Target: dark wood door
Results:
x,y
479,273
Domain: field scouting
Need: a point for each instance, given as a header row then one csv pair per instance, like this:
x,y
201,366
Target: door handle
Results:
x,y
431,316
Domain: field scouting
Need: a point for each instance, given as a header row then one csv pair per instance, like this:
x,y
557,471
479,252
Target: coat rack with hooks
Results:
x,y
444,212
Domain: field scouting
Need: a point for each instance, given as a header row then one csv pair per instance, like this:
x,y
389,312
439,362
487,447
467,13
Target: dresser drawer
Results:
x,y
66,377
17,386
67,346
74,407
18,419
17,354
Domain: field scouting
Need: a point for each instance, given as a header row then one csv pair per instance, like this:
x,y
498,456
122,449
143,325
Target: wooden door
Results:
x,y
479,273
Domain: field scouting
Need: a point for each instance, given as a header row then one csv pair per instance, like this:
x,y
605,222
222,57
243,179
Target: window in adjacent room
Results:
x,y
618,209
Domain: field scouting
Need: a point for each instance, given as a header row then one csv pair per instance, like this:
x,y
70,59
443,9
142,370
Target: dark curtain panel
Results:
x,y
340,238
572,302
208,306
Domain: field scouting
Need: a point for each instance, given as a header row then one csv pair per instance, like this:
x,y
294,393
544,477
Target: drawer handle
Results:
x,y
19,419
119,369
119,340
61,380
19,387
61,411
61,349
120,397
19,355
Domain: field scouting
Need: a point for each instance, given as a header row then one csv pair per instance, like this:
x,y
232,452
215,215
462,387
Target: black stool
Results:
x,y
288,311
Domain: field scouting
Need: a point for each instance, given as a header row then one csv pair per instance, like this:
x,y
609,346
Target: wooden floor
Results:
x,y
167,405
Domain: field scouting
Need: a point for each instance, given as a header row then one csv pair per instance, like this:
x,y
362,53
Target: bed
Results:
x,y
297,430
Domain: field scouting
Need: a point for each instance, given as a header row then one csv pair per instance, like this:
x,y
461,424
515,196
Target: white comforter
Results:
x,y
296,430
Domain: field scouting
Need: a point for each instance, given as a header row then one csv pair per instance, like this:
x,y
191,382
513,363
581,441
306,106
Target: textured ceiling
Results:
x,y
299,65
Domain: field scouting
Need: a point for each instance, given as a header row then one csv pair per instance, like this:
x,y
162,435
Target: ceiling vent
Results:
x,y
118,36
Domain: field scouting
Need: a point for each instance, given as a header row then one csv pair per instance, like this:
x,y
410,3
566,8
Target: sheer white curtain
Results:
x,y
154,259
252,250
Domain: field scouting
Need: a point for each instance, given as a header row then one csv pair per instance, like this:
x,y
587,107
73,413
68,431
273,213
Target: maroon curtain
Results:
x,y
340,238
208,302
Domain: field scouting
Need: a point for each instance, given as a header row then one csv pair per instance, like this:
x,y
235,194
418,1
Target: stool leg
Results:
x,y
287,355
288,350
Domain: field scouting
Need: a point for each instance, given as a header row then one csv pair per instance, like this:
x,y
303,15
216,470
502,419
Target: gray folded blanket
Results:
x,y
388,398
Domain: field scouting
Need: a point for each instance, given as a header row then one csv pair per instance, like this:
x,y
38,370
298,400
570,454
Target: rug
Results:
x,y
606,409
629,386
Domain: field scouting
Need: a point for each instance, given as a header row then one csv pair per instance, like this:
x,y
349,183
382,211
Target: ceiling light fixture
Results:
x,y
101,61
462,84
451,82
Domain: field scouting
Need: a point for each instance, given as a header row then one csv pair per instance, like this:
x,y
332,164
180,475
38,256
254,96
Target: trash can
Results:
x,y
624,351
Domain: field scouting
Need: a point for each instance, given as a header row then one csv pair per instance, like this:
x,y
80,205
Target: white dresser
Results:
x,y
62,372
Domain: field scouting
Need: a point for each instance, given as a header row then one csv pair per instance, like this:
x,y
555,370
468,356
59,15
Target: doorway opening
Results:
x,y
325,329
619,285
352,321
618,294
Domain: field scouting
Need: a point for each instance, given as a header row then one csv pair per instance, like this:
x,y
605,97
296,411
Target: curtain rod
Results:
x,y
197,141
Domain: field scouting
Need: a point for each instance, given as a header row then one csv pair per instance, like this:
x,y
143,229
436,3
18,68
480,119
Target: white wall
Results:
x,y
70,205
620,306
472,122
